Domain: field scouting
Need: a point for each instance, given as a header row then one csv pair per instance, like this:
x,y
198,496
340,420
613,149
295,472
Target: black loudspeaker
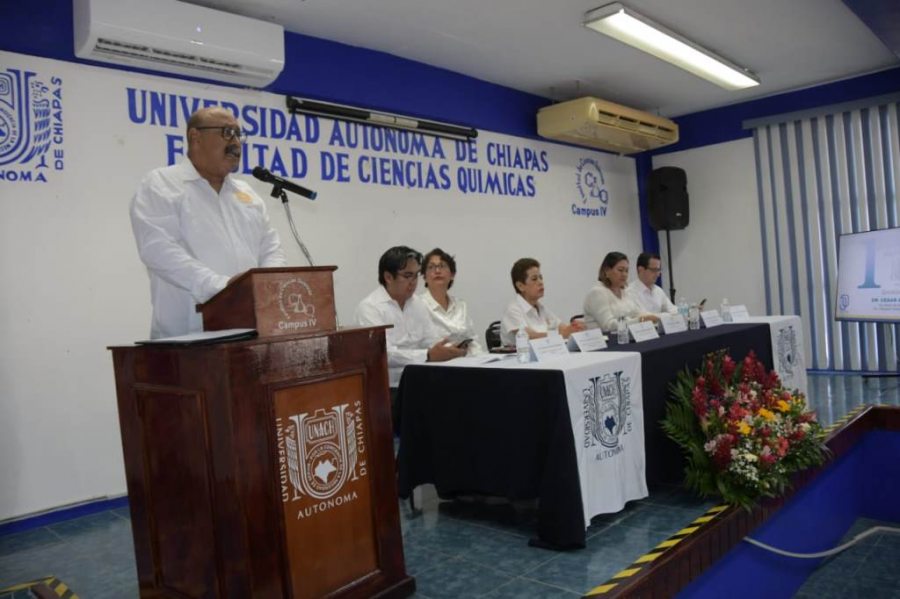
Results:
x,y
667,199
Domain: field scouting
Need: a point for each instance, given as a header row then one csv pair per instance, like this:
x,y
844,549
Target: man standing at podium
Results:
x,y
197,226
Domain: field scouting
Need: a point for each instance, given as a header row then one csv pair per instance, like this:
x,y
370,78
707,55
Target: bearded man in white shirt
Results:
x,y
197,226
412,338
645,292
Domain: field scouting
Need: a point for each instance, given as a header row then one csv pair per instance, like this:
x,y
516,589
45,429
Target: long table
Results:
x,y
509,433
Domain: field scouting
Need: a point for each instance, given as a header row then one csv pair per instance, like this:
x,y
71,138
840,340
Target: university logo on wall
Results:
x,y
31,126
591,185
607,407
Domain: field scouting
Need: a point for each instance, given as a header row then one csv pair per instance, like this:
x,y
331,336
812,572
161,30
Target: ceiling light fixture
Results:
x,y
625,25
383,119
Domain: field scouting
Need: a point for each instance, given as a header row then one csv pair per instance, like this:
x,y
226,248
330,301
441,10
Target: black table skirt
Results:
x,y
662,359
505,433
508,433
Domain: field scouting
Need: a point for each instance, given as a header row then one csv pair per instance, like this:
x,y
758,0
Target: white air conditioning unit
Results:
x,y
175,37
600,124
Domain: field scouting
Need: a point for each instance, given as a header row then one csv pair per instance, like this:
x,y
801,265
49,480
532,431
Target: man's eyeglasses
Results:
x,y
656,270
228,133
408,275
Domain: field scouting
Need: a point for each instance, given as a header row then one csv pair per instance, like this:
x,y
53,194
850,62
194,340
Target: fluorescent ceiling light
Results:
x,y
637,30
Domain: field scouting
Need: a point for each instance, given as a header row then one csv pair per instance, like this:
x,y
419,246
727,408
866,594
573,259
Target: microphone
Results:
x,y
266,176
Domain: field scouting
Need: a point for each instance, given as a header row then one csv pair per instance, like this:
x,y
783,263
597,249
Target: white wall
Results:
x,y
719,254
73,284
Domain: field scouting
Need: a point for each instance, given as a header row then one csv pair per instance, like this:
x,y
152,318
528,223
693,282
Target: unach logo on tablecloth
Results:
x,y
31,127
787,351
606,403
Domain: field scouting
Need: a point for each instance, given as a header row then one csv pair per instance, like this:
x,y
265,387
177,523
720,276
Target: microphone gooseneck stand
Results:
x,y
278,192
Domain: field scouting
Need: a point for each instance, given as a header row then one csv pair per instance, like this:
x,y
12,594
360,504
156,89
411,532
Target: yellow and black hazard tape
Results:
x,y
648,558
845,419
53,583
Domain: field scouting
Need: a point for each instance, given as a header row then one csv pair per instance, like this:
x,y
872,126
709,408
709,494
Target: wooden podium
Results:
x,y
262,468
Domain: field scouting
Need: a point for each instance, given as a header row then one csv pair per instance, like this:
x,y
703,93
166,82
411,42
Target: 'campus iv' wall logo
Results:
x,y
30,125
607,405
321,452
592,187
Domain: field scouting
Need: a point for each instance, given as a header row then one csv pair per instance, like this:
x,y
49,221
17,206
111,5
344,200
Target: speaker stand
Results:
x,y
671,274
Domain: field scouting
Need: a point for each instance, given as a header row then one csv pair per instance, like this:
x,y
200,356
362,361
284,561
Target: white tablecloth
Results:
x,y
606,406
787,349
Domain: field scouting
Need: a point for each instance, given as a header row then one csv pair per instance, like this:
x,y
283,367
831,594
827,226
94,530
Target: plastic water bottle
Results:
x,y
683,308
694,317
523,352
724,310
621,331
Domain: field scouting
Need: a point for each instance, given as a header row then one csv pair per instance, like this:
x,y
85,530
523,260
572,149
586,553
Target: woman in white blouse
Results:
x,y
607,301
526,310
449,314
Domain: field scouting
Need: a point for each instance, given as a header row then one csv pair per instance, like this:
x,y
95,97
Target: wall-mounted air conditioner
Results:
x,y
175,37
600,124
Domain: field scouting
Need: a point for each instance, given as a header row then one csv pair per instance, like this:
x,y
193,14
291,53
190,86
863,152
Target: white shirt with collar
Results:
x,y
412,332
602,308
651,299
455,320
520,313
193,240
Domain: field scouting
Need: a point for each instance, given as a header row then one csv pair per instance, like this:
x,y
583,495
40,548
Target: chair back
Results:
x,y
492,335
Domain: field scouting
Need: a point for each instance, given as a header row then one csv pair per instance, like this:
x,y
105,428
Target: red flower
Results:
x,y
722,455
728,366
783,446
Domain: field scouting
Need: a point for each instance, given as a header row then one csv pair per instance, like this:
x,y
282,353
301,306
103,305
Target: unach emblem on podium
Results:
x,y
321,455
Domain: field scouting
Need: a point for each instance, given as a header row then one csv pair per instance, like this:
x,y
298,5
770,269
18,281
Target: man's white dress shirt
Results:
x,y
412,333
651,299
193,240
455,320
520,313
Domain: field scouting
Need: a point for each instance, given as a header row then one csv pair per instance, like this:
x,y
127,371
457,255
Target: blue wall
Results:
x,y
319,69
324,70
725,124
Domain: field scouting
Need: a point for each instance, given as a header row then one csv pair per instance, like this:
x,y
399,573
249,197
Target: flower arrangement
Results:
x,y
743,433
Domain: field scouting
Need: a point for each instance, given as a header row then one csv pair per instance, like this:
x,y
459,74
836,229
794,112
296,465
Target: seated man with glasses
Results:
x,y
197,226
413,339
645,292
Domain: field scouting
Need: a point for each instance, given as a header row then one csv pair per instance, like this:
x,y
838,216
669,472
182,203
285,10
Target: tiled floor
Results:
x,y
868,569
460,550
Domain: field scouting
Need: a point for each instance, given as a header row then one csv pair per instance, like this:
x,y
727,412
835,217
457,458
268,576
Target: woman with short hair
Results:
x,y
449,314
526,310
